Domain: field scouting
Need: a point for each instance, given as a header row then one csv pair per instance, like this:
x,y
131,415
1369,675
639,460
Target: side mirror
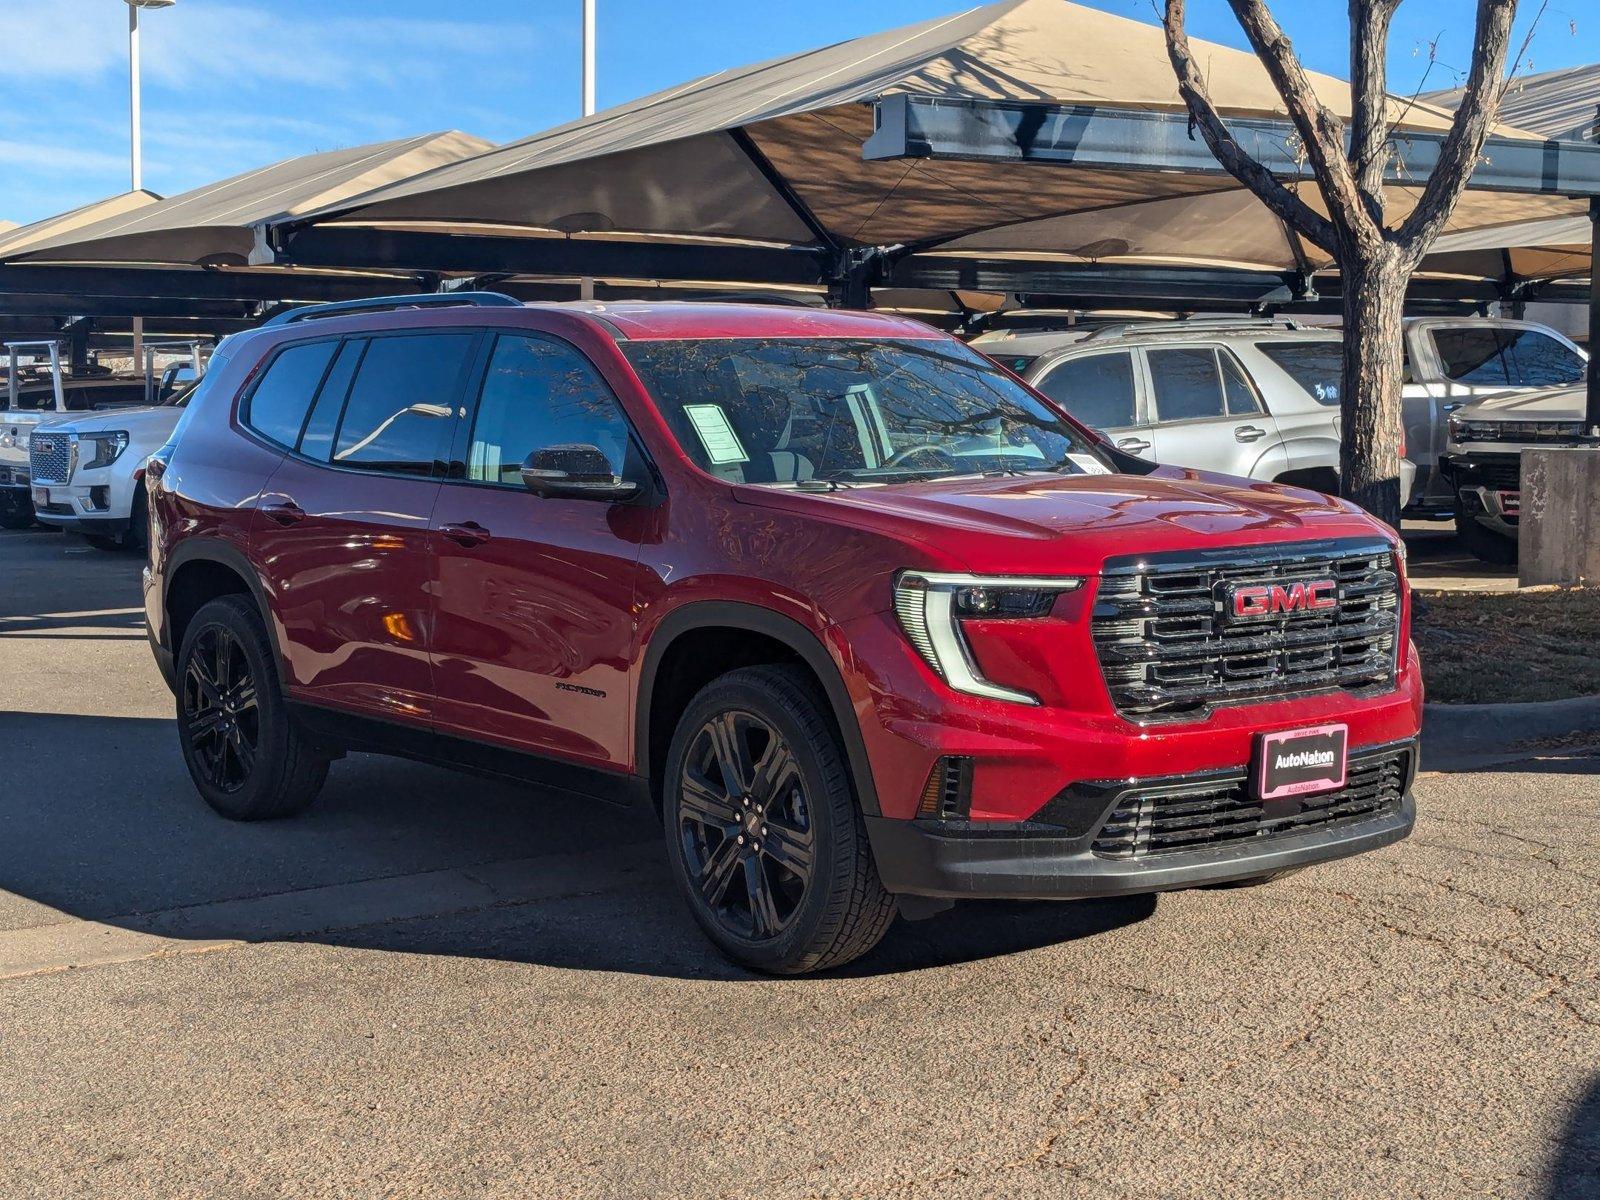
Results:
x,y
575,472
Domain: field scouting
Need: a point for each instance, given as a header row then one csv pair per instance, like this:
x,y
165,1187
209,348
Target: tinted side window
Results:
x,y
1473,356
277,407
1098,390
1539,360
317,440
1187,385
539,393
1316,366
1236,384
398,417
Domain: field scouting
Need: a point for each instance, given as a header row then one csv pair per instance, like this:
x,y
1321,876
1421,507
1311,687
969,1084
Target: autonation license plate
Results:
x,y
1300,762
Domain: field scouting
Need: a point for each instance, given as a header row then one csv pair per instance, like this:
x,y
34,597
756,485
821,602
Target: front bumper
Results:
x,y
1036,861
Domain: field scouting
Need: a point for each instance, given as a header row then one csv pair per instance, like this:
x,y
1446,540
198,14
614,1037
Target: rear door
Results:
x,y
1101,390
534,619
1206,412
342,534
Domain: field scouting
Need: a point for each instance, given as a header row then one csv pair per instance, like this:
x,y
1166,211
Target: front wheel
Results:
x,y
763,830
246,756
1484,543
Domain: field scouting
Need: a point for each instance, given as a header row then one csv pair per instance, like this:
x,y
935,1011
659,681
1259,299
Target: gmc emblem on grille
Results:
x,y
1250,600
44,445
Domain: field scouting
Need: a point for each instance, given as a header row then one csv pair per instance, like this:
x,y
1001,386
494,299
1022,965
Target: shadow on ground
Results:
x,y
103,824
1575,1171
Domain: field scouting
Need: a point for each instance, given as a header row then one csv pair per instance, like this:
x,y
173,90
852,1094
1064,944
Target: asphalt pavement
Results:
x,y
433,985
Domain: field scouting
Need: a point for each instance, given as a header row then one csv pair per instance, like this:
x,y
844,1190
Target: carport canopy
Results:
x,y
914,149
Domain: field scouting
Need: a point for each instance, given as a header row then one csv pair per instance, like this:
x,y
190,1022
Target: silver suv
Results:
x,y
1254,398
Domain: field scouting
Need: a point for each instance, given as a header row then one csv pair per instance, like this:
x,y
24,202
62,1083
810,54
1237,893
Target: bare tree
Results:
x,y
1376,257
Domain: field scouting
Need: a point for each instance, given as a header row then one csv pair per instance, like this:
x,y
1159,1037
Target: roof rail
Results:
x,y
316,312
1218,324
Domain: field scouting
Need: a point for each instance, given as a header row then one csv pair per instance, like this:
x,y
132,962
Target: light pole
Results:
x,y
586,284
136,148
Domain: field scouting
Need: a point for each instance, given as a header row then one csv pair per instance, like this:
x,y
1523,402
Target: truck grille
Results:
x,y
50,457
1502,472
1168,650
1165,817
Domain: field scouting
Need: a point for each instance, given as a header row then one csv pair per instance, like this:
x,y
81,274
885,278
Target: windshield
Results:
x,y
836,412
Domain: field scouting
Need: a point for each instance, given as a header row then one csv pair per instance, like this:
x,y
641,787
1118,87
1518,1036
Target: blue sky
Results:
x,y
234,84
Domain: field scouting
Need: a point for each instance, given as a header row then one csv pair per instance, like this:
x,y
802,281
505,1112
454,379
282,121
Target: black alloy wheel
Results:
x,y
745,825
222,721
763,828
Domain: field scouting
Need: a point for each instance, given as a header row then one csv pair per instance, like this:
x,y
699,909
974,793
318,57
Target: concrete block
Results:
x,y
1559,536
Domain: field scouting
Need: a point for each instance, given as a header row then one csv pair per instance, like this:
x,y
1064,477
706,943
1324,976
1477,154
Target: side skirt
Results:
x,y
340,730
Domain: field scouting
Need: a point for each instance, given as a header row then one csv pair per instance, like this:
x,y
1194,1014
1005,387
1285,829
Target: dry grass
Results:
x,y
1483,648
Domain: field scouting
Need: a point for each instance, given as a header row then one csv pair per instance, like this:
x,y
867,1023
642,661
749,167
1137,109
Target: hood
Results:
x,y
134,420
1546,404
1072,524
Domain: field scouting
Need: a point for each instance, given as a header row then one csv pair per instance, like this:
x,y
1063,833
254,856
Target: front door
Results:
x,y
534,625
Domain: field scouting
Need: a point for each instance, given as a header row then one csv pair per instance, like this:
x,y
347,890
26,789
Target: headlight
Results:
x,y
104,448
931,608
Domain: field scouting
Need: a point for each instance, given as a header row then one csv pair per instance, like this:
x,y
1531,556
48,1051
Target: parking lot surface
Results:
x,y
434,985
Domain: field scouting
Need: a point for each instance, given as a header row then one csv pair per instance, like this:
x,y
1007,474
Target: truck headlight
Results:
x,y
931,607
104,448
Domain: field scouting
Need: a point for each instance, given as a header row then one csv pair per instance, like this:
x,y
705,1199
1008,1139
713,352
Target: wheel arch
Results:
x,y
805,645
202,569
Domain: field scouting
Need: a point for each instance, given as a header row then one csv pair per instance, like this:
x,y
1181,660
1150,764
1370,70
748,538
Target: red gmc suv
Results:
x,y
871,625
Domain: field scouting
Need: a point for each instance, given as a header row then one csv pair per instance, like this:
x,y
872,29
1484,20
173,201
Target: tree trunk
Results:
x,y
1369,460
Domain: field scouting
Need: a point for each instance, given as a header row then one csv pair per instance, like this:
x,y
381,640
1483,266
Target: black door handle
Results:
x,y
466,533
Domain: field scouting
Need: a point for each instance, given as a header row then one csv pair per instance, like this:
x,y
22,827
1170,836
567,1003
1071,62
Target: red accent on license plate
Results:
x,y
1302,762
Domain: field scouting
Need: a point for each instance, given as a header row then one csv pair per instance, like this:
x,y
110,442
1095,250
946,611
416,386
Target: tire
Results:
x,y
137,539
735,855
103,541
16,516
1484,543
246,756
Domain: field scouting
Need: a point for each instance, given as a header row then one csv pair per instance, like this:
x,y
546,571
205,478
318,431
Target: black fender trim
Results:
x,y
215,550
722,614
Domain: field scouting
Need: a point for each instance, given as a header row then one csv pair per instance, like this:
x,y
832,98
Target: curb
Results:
x,y
1463,737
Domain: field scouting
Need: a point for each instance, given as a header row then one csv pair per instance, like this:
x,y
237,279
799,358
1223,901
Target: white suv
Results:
x,y
1253,398
88,471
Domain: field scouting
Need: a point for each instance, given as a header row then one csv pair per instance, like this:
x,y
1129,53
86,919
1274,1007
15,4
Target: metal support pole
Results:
x,y
586,283
1591,416
136,147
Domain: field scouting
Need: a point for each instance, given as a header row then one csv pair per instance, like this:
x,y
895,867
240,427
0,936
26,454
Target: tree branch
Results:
x,y
1203,114
1320,130
1480,103
1369,99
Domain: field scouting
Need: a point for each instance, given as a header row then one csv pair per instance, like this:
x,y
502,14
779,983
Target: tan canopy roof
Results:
x,y
1553,104
214,224
19,238
771,153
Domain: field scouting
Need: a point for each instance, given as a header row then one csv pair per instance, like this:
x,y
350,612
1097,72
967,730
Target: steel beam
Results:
x,y
906,126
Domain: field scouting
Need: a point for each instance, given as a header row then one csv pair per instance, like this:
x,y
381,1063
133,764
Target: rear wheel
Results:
x,y
1484,543
137,539
763,830
245,755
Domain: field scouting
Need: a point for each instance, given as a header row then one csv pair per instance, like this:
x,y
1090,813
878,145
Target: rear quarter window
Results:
x,y
277,407
1317,366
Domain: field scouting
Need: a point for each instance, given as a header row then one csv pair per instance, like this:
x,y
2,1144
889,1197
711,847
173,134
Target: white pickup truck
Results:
x,y
1454,361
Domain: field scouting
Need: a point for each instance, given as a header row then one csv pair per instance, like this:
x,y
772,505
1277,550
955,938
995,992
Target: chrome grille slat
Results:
x,y
1167,651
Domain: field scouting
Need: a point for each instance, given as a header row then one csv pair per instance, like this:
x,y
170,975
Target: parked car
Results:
x,y
40,402
88,471
1483,464
870,625
1254,398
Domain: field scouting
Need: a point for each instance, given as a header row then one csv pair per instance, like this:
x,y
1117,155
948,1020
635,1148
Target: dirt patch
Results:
x,y
1481,648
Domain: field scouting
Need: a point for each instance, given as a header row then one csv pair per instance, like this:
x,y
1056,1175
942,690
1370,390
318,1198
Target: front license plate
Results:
x,y
1300,762
41,495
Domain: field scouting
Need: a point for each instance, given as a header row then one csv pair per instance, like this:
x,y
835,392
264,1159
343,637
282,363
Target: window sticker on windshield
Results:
x,y
716,435
1088,465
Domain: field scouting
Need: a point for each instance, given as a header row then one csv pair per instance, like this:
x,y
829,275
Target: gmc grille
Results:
x,y
1169,651
1168,816
50,457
